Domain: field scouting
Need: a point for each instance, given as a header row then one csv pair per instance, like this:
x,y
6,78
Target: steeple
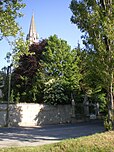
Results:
x,y
32,36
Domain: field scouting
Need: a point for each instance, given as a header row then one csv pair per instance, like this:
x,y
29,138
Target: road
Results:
x,y
33,136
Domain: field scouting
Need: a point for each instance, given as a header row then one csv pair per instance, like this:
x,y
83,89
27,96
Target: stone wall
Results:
x,y
25,114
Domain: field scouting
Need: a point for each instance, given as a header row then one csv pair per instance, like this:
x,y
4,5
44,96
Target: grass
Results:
x,y
103,142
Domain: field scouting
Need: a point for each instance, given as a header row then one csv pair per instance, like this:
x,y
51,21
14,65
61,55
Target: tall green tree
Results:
x,y
20,47
60,61
96,19
9,12
60,65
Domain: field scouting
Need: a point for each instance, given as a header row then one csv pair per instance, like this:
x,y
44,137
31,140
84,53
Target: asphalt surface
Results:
x,y
33,136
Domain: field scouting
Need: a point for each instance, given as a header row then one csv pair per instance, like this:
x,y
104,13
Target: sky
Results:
x,y
51,17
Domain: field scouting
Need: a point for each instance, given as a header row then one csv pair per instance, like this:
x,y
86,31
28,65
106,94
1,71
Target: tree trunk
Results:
x,y
110,105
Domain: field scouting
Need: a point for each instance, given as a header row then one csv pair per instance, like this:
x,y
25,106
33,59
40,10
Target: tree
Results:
x,y
95,18
9,12
19,49
61,71
2,83
24,76
50,73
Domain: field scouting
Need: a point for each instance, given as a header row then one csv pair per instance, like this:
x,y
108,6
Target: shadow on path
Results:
x,y
23,135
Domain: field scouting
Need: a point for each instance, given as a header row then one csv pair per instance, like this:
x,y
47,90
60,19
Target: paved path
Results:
x,y
33,136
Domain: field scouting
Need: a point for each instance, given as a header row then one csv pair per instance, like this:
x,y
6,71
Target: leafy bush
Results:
x,y
108,123
54,93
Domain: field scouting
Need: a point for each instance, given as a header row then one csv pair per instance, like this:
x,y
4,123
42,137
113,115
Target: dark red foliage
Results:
x,y
28,66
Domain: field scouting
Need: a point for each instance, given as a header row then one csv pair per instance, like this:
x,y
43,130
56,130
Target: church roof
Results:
x,y
32,36
32,26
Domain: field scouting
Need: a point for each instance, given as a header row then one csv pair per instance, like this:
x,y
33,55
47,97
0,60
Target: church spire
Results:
x,y
32,36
